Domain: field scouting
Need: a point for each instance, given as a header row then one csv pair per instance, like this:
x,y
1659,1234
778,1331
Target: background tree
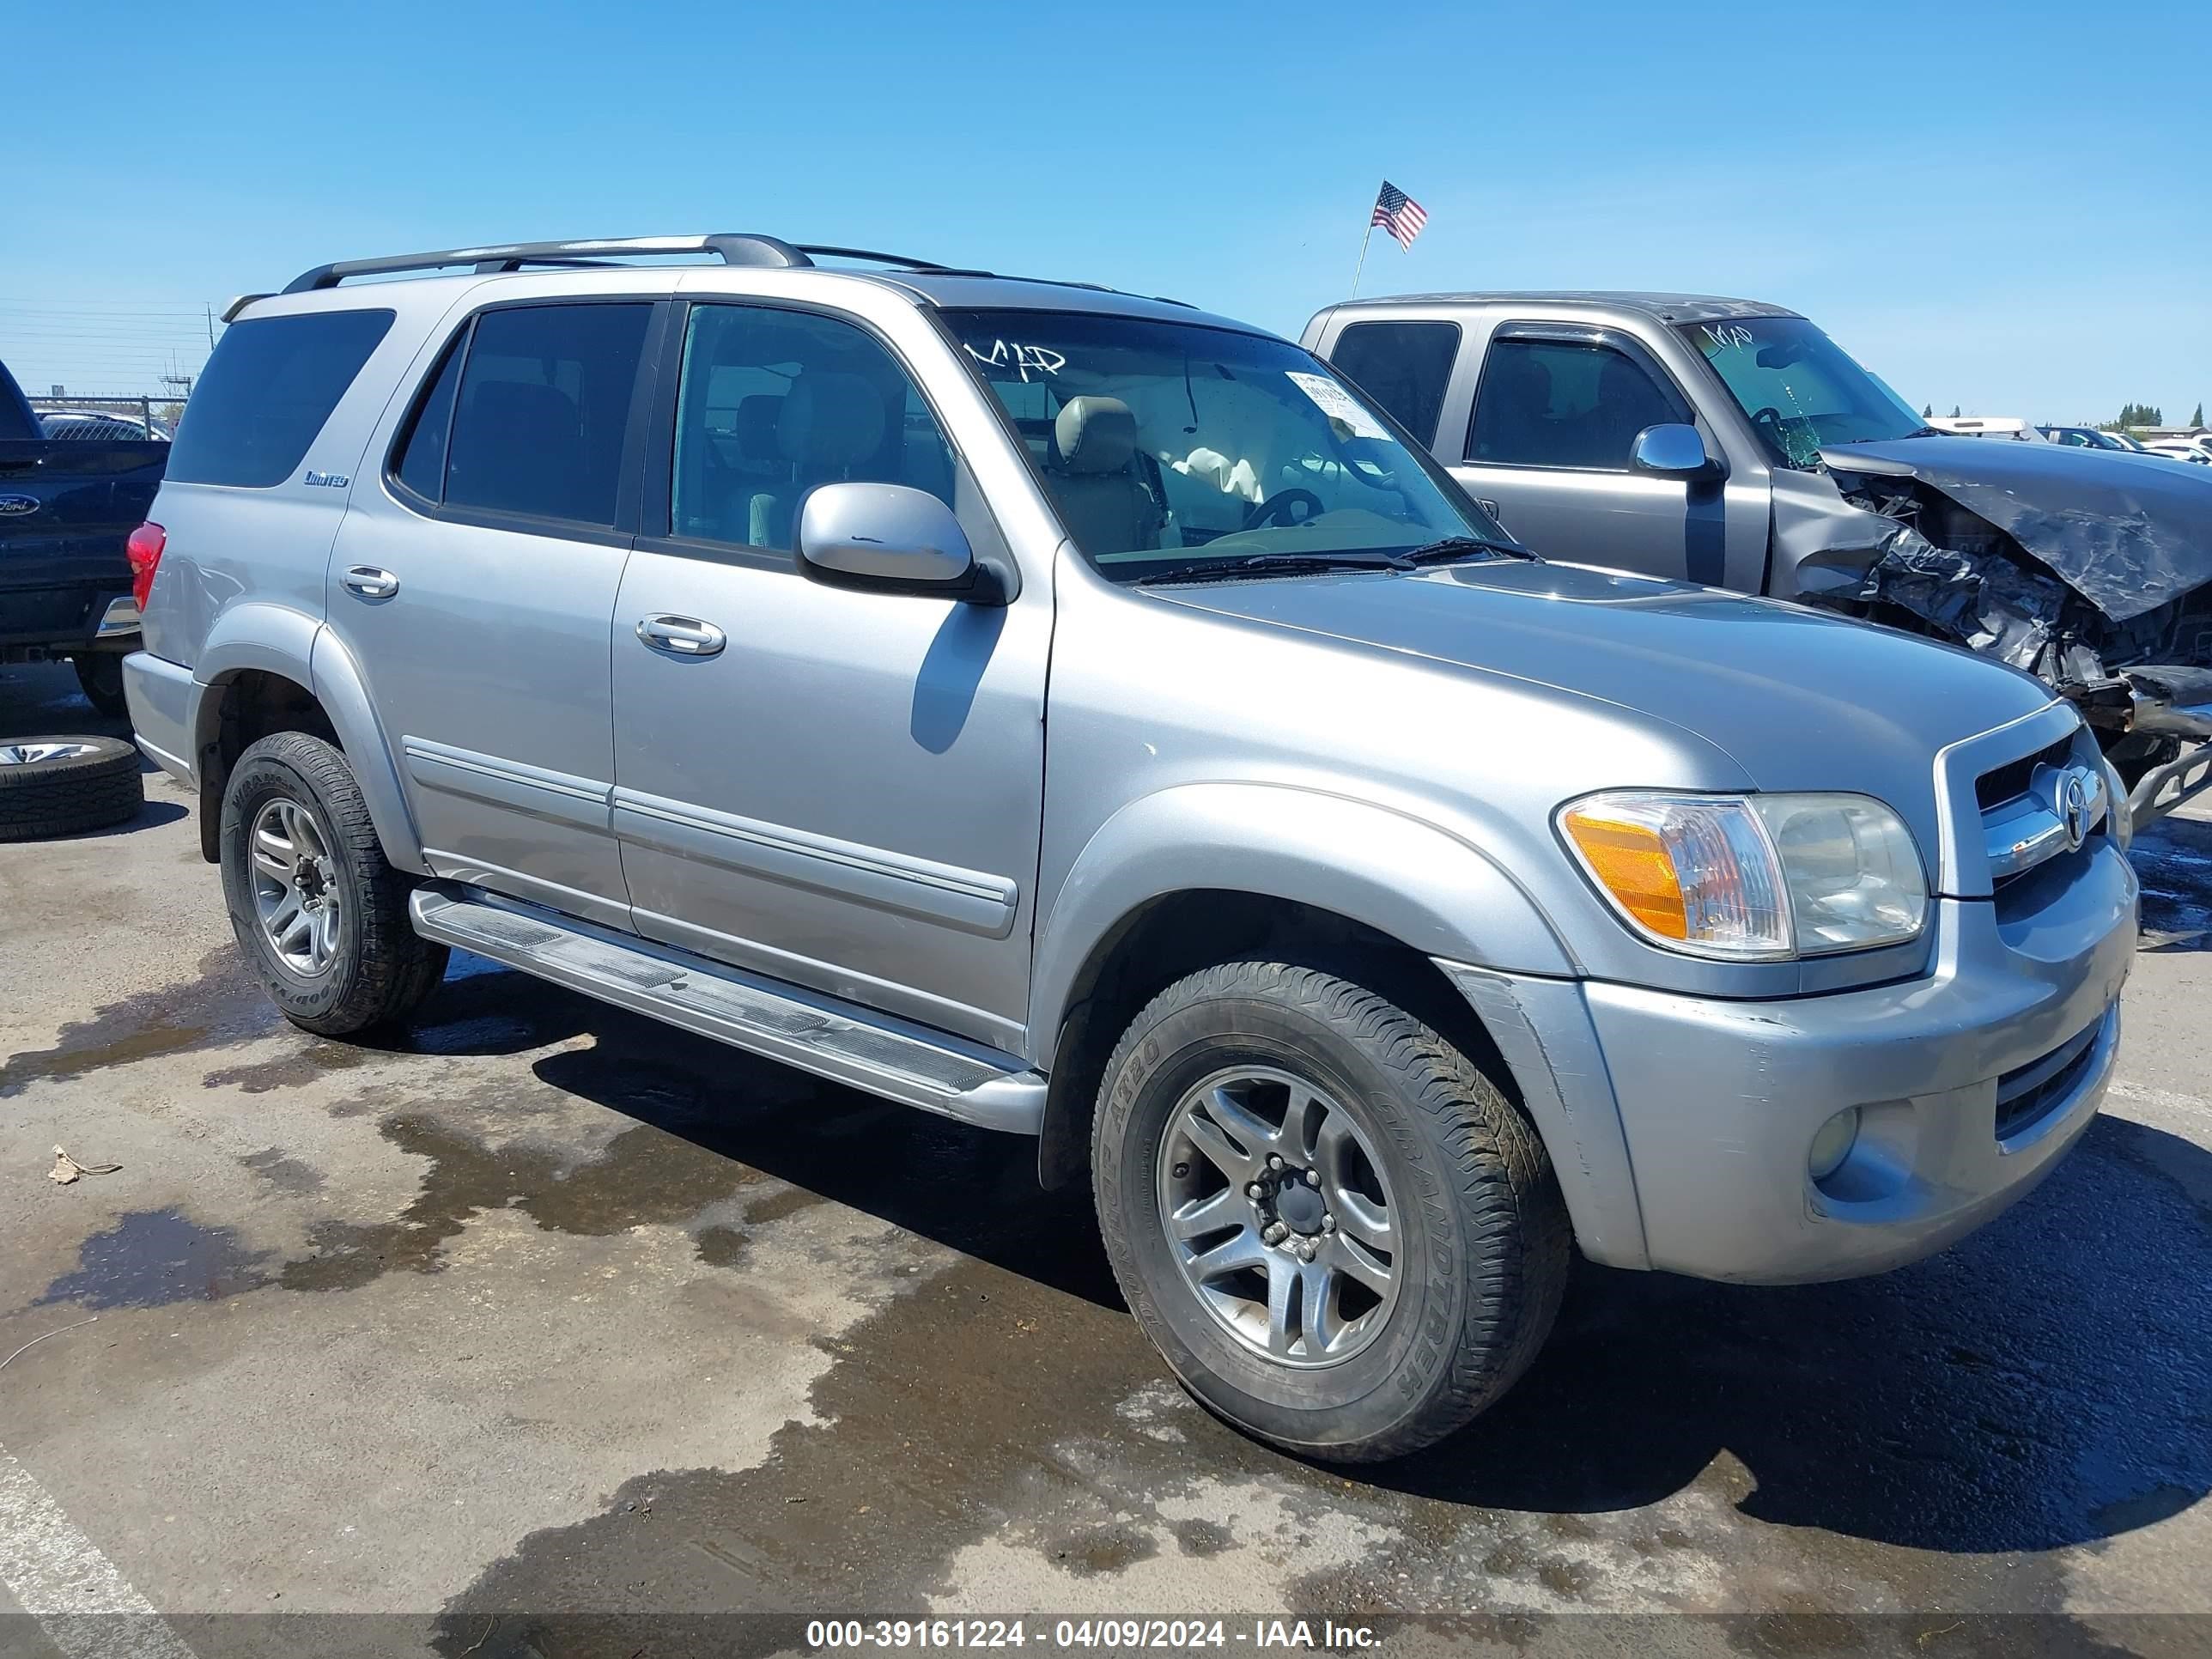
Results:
x,y
2198,419
1954,411
1928,411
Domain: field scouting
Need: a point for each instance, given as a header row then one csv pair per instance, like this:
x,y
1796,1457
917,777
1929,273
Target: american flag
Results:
x,y
1399,213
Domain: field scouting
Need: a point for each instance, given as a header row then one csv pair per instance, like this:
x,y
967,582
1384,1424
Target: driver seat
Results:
x,y
1104,505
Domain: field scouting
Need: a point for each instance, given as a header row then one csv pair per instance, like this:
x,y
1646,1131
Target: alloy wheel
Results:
x,y
1278,1213
296,896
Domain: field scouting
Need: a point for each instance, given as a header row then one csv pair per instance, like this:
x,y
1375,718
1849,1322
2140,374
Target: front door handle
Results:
x,y
370,583
681,636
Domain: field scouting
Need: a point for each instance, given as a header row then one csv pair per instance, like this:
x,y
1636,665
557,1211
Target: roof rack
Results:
x,y
731,249
927,267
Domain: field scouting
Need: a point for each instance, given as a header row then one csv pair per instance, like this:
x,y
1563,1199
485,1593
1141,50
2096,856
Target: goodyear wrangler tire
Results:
x,y
319,911
1340,1235
65,786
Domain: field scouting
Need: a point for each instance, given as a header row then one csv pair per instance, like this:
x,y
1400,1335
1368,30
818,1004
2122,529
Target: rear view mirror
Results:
x,y
889,538
1674,450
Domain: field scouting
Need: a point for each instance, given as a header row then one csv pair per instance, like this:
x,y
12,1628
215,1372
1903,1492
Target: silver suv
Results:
x,y
1093,720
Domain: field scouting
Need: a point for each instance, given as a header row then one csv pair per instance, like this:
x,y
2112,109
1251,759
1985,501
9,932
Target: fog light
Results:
x,y
1833,1142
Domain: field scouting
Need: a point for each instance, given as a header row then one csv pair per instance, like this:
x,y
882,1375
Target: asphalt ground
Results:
x,y
542,1329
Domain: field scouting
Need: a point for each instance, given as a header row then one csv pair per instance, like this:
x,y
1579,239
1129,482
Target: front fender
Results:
x,y
1421,886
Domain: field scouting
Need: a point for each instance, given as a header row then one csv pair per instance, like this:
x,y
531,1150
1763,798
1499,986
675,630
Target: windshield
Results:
x,y
1799,388
1172,447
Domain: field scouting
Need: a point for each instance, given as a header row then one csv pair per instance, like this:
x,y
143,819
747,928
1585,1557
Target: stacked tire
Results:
x,y
64,786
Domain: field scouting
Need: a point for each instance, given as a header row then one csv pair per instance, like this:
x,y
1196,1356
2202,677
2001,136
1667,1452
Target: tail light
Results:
x,y
143,550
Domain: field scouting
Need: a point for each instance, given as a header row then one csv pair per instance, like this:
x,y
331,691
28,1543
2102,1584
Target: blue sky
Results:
x,y
1989,205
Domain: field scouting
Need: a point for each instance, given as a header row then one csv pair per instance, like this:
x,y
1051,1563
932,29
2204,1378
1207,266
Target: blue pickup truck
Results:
x,y
67,505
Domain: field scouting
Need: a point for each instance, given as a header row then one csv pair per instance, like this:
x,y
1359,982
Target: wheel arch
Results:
x,y
266,669
1202,874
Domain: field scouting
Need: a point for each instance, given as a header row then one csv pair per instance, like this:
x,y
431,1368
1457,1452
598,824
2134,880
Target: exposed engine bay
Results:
x,y
2108,600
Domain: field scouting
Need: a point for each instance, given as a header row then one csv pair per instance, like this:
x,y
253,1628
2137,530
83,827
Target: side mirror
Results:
x,y
1674,450
889,539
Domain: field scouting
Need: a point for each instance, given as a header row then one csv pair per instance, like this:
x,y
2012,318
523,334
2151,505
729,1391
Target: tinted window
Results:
x,y
1171,446
421,466
1554,403
544,398
1799,388
1403,366
265,393
772,403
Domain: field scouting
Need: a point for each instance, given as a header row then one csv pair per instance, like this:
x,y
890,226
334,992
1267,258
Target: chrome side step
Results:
x,y
825,1034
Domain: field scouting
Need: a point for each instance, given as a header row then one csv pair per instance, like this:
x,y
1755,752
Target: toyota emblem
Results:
x,y
2073,810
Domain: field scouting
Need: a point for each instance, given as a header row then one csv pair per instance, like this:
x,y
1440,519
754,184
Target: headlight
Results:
x,y
1753,878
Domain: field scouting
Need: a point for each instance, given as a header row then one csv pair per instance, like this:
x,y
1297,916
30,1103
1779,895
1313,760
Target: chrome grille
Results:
x,y
2038,809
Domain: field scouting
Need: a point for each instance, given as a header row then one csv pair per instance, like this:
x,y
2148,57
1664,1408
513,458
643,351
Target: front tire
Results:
x,y
318,909
1340,1235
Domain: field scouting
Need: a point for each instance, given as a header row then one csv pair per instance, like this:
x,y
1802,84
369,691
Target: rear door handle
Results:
x,y
370,582
681,636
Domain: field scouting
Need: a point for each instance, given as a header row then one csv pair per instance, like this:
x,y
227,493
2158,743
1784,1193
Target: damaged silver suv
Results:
x,y
1731,442
1093,720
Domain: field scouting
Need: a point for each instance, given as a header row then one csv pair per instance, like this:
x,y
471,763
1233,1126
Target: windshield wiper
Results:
x,y
1465,547
1276,564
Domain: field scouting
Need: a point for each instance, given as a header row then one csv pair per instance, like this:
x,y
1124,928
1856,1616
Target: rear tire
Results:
x,y
66,785
318,909
1381,1350
100,676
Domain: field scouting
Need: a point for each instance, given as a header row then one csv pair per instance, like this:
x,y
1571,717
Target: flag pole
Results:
x,y
1363,256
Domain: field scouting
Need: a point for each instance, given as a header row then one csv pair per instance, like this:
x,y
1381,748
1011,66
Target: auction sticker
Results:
x,y
1334,401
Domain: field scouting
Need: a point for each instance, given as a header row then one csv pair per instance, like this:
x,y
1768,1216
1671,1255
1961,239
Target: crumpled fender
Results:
x,y
2126,532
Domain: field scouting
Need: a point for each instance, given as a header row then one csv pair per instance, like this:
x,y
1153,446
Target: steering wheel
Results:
x,y
1276,509
1770,418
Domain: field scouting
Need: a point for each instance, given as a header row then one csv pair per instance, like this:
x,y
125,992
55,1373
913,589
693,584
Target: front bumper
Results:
x,y
1716,1102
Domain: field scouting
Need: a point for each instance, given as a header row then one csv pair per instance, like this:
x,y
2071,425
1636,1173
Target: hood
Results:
x,y
1791,694
2128,533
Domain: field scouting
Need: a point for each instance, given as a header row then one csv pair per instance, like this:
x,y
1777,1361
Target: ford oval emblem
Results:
x,y
17,506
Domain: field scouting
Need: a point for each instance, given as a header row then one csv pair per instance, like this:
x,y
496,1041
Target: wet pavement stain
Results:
x,y
775,1208
1843,1427
913,1456
222,1005
152,1258
720,1247
645,1176
313,1060
287,1174
1096,1550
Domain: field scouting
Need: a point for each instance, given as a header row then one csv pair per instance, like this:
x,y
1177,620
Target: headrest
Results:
x,y
1095,434
830,419
755,426
1526,374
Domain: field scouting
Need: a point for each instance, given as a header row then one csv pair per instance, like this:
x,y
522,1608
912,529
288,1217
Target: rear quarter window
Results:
x,y
265,393
1404,366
